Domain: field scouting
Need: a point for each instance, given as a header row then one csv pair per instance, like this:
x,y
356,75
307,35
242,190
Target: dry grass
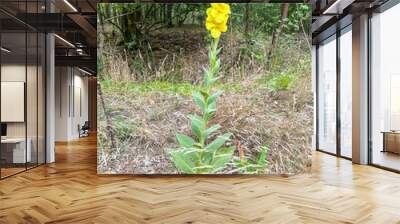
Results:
x,y
256,118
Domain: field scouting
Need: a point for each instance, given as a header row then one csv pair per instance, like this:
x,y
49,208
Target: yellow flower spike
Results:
x,y
222,7
215,33
217,18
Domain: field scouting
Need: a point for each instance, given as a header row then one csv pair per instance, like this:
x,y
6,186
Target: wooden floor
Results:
x,y
5,172
69,191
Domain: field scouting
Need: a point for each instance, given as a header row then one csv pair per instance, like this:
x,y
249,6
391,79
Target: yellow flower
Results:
x,y
217,18
222,7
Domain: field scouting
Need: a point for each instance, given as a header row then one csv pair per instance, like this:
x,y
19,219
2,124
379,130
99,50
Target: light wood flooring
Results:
x,y
70,191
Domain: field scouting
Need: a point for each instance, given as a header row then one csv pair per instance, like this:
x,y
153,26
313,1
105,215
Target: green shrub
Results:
x,y
282,81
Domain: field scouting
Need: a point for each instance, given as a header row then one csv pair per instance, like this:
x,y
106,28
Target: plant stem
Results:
x,y
208,77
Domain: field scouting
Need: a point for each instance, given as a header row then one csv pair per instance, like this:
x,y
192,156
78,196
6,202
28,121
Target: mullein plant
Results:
x,y
200,155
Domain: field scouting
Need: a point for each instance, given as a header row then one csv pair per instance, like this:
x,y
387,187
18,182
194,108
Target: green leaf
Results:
x,y
185,141
213,97
181,162
198,100
207,157
204,169
210,53
197,125
212,129
215,68
212,107
206,76
261,161
218,51
197,145
213,80
204,94
218,142
206,71
222,158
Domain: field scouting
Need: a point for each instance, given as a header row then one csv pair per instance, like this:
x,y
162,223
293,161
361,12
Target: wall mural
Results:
x,y
204,88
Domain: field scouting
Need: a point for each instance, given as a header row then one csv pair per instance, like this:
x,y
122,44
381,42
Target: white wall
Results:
x,y
62,81
70,84
80,108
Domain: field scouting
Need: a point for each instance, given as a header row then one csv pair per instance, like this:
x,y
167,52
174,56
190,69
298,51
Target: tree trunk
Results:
x,y
277,32
102,13
169,15
246,21
138,13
